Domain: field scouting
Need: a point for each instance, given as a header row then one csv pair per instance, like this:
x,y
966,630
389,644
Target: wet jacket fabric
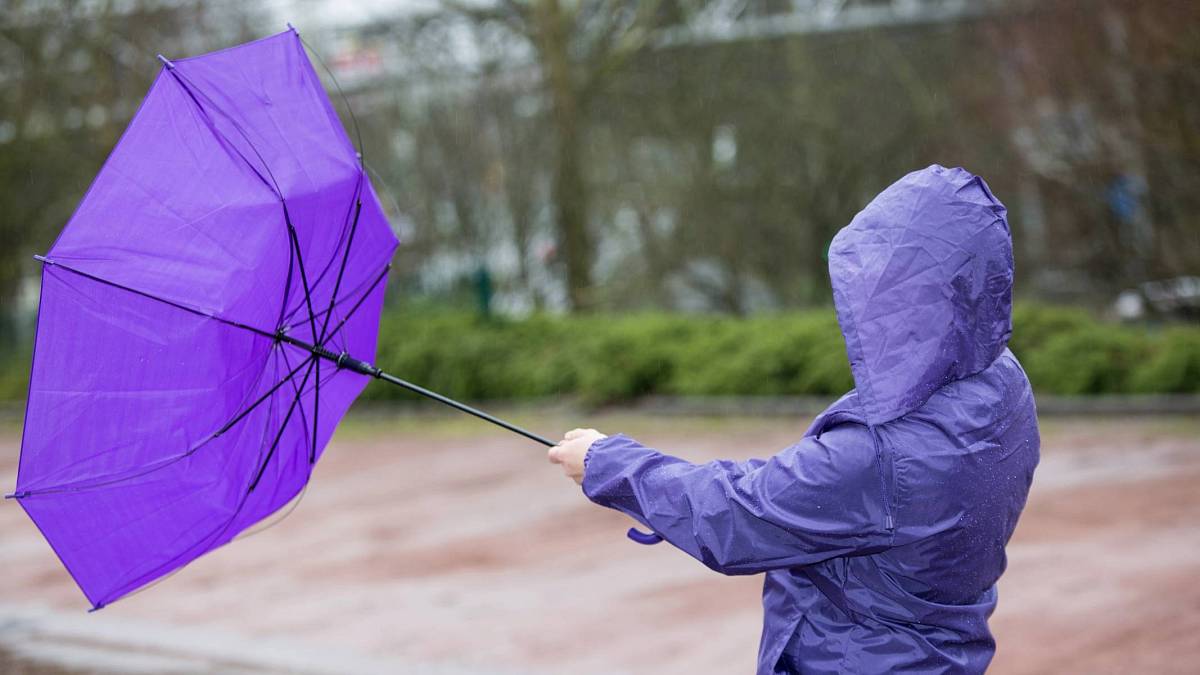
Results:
x,y
881,532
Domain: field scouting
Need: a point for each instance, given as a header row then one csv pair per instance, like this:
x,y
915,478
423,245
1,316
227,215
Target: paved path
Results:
x,y
442,547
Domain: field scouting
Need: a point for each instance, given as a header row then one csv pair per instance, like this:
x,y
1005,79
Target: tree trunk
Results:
x,y
567,184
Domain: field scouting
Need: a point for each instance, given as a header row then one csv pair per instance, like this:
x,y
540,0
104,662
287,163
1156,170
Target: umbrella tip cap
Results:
x,y
166,62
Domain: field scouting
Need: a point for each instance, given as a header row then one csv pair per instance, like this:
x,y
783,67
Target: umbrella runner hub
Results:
x,y
342,360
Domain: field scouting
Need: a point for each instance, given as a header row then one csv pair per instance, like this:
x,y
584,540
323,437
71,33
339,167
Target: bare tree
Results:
x,y
578,47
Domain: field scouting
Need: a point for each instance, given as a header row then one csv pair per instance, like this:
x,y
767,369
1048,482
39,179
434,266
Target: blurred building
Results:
x,y
694,156
1044,99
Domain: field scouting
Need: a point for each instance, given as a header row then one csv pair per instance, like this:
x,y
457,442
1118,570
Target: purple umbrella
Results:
x,y
207,316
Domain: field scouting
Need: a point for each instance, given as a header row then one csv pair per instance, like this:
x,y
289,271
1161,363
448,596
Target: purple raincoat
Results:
x,y
882,531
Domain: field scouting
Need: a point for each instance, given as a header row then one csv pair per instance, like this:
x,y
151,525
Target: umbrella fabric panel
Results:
x,y
115,539
120,466
173,213
265,98
119,462
121,381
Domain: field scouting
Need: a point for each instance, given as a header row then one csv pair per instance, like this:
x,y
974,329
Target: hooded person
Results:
x,y
882,531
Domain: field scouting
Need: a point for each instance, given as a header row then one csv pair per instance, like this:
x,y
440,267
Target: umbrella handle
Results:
x,y
644,538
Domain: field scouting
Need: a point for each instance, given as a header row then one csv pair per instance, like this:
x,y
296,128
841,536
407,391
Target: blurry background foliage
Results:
x,y
610,198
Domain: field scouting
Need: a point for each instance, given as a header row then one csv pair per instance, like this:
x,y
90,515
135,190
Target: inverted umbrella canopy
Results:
x,y
204,319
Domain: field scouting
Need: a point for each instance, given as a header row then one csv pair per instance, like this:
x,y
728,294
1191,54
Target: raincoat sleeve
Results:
x,y
818,499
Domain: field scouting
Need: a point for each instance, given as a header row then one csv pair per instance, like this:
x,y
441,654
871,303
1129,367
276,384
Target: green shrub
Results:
x,y
462,355
778,355
1099,359
606,358
823,352
626,357
1173,367
1034,324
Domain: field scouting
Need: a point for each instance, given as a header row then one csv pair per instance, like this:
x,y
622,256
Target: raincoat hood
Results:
x,y
922,282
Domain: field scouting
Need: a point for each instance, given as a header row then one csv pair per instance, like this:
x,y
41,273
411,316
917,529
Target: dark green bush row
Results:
x,y
613,358
608,358
1066,352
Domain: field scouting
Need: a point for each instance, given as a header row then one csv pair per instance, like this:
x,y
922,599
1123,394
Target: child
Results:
x,y
882,531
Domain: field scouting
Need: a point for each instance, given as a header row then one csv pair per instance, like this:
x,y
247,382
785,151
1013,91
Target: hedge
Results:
x,y
609,358
603,359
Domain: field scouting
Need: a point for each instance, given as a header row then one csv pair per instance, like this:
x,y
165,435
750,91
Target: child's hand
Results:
x,y
571,450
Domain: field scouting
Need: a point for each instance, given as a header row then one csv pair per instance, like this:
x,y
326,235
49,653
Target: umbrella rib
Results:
x,y
282,427
287,285
204,541
116,448
286,378
341,239
366,294
312,448
151,296
106,481
230,322
303,275
312,453
194,93
337,286
226,321
350,294
201,543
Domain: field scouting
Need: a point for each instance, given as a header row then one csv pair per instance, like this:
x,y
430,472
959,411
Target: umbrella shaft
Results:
x,y
342,360
347,362
463,407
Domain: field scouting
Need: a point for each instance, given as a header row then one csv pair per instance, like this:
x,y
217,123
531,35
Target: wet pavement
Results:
x,y
443,546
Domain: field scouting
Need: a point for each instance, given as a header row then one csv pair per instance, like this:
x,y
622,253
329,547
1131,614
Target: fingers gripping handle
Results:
x,y
645,538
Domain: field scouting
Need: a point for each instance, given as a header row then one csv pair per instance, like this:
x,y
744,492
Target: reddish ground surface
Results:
x,y
441,546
